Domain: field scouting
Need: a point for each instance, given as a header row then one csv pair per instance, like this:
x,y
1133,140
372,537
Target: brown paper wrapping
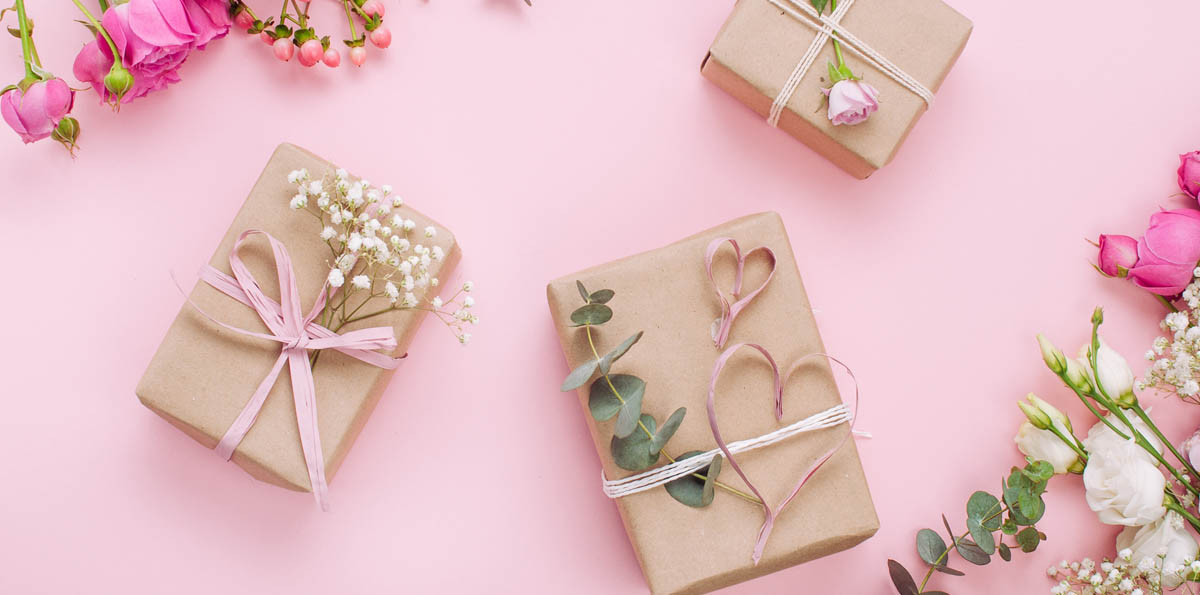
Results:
x,y
759,46
667,294
203,375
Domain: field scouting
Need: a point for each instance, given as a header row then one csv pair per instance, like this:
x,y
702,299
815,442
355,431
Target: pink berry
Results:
x,y
244,20
311,52
373,8
332,58
267,39
284,49
358,55
381,37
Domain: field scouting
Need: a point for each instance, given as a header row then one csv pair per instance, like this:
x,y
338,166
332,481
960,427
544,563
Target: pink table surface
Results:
x,y
552,139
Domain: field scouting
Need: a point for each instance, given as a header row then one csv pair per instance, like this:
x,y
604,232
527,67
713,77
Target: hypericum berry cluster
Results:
x,y
286,40
1175,358
1116,577
375,252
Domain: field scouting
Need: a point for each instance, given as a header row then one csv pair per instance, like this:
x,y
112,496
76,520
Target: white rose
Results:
x,y
1123,485
1043,445
1168,537
1115,375
1102,438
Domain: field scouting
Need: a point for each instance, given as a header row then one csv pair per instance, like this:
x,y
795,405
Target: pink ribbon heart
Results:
x,y
729,311
298,334
769,512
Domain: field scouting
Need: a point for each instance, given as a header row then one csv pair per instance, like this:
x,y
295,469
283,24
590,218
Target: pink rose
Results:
x,y
1118,254
851,102
154,38
1189,173
1168,253
36,112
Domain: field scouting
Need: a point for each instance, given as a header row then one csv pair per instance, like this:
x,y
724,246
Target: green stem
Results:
x,y
1145,417
1072,442
945,554
1166,303
743,495
837,47
103,6
1173,504
103,33
26,40
350,19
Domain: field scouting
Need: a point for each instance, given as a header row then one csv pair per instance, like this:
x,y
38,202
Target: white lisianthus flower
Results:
x,y
1167,537
336,279
1122,482
1102,438
1041,445
1116,377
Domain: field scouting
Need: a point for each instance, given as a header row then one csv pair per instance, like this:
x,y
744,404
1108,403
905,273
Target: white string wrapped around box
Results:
x,y
836,415
828,26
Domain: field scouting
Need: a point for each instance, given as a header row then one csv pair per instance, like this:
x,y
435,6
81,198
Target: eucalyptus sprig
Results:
x,y
638,441
990,521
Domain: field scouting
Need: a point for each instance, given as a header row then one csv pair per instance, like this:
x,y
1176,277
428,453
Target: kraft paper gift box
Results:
x,y
203,375
667,294
760,45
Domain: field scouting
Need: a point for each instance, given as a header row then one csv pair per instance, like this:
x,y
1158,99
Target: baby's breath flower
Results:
x,y
430,231
468,286
328,233
299,201
336,279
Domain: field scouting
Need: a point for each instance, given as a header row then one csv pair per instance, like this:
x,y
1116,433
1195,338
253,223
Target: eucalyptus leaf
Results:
x,y
591,314
931,548
579,376
632,453
602,296
949,571
582,291
983,538
1028,539
900,576
631,412
606,362
984,508
667,430
971,552
604,403
1005,552
692,490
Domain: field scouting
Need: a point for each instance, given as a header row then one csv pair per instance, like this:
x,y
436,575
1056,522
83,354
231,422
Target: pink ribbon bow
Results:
x,y
299,335
730,311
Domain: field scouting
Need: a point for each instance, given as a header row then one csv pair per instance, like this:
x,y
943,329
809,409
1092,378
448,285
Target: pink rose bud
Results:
x,y
311,52
35,112
67,132
381,37
283,49
118,81
1189,173
851,102
332,58
358,55
1168,253
1117,255
373,8
244,20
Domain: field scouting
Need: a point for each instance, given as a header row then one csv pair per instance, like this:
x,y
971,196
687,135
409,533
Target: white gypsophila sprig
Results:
x,y
379,260
1175,357
1119,576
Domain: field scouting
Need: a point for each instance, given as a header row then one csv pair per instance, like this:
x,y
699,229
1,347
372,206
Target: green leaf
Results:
x,y
1005,553
591,314
606,362
983,538
1038,471
1028,539
691,490
931,548
1032,507
971,552
819,5
631,412
14,32
604,403
633,452
904,582
579,376
602,296
667,430
834,75
949,571
846,73
582,291
1009,527
984,508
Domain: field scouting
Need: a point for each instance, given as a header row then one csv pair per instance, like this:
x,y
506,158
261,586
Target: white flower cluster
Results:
x,y
1175,357
1123,576
373,247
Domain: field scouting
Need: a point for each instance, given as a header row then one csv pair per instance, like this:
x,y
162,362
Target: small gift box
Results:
x,y
773,56
210,367
653,329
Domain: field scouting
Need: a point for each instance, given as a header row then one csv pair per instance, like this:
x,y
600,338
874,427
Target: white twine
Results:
x,y
641,482
829,25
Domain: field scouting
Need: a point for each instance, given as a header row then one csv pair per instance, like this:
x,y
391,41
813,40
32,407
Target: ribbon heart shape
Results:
x,y
299,335
730,311
780,380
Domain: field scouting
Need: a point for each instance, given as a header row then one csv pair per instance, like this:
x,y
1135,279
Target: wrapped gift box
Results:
x,y
203,375
760,44
667,294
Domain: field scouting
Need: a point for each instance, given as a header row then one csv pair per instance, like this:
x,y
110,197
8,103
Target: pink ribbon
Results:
x,y
730,311
299,335
771,513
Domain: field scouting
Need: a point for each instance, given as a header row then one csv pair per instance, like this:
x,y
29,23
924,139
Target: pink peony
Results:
x,y
1168,253
851,102
1189,173
154,38
1117,255
36,112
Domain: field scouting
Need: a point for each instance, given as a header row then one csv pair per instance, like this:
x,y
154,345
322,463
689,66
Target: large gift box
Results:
x,y
761,45
203,374
667,294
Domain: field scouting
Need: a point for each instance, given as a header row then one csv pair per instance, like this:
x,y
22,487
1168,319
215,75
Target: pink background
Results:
x,y
552,139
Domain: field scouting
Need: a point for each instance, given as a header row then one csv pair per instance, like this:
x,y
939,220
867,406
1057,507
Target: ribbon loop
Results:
x,y
298,335
730,311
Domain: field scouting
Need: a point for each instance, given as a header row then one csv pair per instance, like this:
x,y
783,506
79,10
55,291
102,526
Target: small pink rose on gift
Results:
x,y
1168,253
1118,254
1189,173
851,102
36,112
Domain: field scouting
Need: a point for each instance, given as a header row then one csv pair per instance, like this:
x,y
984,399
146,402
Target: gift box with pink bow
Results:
x,y
715,411
320,273
848,78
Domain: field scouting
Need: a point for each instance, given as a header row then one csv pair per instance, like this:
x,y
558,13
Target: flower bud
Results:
x,y
1077,467
1098,315
1036,416
118,81
1077,376
66,132
1053,356
1112,374
1057,417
